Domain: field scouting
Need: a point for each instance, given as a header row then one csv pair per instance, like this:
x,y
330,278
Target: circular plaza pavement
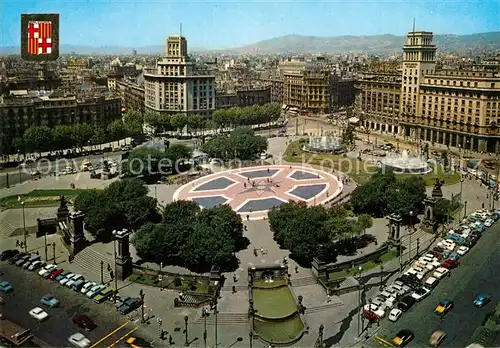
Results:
x,y
253,191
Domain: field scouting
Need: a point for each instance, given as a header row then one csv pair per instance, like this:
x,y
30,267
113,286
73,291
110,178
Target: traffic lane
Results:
x,y
117,336
29,287
475,275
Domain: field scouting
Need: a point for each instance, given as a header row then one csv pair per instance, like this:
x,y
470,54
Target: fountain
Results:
x,y
324,144
404,164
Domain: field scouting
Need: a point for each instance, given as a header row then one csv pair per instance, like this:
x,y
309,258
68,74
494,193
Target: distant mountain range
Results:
x,y
310,44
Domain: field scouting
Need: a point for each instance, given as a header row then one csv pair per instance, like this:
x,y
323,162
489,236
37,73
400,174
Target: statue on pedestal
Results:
x,y
437,192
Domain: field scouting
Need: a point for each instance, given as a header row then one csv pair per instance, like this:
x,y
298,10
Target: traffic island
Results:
x,y
276,315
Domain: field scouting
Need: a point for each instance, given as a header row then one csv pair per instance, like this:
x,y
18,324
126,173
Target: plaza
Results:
x,y
253,191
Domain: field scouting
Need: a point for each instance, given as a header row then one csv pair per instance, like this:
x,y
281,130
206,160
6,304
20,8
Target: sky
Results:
x,y
225,24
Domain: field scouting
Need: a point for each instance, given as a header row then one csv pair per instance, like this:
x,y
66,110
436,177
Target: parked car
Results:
x,y
95,290
87,286
482,300
38,314
47,270
67,278
22,260
431,282
420,294
74,279
129,305
369,315
406,303
488,222
395,314
77,286
462,250
62,275
16,257
79,340
7,254
84,322
49,300
103,295
35,265
55,274
440,272
450,264
6,287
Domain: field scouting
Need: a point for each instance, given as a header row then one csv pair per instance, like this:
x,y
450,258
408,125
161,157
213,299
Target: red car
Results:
x,y
370,316
84,322
450,264
54,274
436,254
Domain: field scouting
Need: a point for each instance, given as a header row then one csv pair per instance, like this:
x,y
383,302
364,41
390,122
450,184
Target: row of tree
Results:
x,y
123,204
232,117
43,138
193,238
149,162
241,143
316,231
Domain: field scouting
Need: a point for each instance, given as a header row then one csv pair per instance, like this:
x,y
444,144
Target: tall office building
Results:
x,y
459,108
177,85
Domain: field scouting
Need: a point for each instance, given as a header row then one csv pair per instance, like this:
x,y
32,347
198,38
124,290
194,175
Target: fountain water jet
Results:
x,y
404,164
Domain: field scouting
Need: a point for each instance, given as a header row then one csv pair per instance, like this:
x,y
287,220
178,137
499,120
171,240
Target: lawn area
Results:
x,y
366,266
39,198
170,282
279,331
359,171
274,302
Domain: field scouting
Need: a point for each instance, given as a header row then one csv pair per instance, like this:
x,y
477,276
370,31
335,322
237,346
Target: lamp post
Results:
x,y
115,275
24,231
54,252
186,343
204,314
250,336
102,272
160,331
465,209
461,188
320,335
418,245
45,246
216,328
411,231
141,293
381,277
19,160
160,276
360,305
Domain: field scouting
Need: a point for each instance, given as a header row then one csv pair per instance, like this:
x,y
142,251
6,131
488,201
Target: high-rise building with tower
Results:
x,y
455,107
177,85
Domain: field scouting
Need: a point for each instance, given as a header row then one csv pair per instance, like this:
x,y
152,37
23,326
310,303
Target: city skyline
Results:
x,y
229,24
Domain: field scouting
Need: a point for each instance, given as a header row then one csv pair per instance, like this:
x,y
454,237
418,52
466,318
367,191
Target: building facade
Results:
x,y
177,85
307,88
132,95
243,98
342,92
457,108
23,111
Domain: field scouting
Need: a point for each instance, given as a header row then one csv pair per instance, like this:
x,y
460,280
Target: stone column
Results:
x,y
450,138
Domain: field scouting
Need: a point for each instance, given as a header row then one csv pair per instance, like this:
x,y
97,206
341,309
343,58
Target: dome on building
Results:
x,y
116,62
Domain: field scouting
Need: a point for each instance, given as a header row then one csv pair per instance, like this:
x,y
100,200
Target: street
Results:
x,y
113,329
477,274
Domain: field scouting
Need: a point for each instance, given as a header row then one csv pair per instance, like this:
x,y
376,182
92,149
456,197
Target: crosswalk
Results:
x,y
6,228
224,319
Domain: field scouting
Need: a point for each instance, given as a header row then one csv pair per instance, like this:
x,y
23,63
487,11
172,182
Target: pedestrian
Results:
x,y
328,298
170,340
296,269
17,243
234,289
37,252
21,244
234,278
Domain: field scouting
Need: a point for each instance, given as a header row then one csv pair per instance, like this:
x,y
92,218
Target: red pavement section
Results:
x,y
279,186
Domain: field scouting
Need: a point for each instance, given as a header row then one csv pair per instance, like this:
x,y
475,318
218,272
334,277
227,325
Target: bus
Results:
x,y
14,333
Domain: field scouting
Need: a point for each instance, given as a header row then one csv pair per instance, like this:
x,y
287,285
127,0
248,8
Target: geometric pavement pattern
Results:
x,y
253,191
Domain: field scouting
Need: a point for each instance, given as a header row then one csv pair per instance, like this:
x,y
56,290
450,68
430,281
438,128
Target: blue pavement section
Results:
x,y
210,202
260,205
262,173
215,184
307,192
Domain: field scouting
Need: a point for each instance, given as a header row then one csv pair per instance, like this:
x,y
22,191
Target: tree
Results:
x,y
62,136
147,161
218,147
384,194
82,133
242,143
445,160
133,122
193,238
123,204
348,135
178,154
365,221
443,210
38,139
116,130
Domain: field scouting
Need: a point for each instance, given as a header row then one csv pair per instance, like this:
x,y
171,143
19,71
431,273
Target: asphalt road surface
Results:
x,y
477,274
113,329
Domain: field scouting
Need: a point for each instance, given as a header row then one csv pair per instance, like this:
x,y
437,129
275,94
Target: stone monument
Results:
x,y
394,230
123,258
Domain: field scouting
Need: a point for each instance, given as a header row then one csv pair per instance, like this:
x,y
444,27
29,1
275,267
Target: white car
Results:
x,y
391,302
488,222
380,313
462,250
78,340
370,307
377,301
395,314
388,292
34,265
39,314
94,290
431,282
427,258
73,280
421,272
67,278
440,272
86,287
46,269
420,294
447,244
